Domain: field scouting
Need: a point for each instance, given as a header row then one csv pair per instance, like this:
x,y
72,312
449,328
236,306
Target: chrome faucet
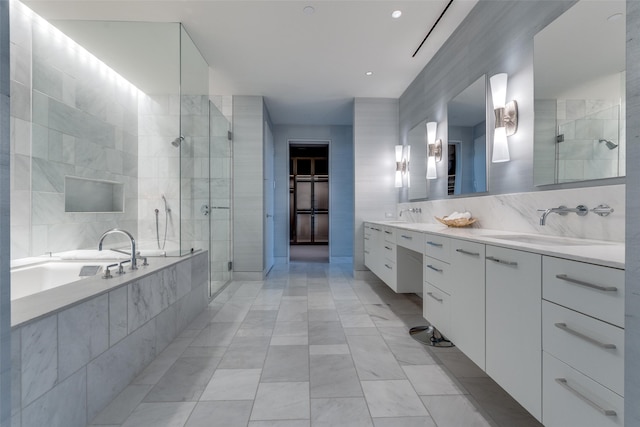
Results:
x,y
580,210
411,210
134,264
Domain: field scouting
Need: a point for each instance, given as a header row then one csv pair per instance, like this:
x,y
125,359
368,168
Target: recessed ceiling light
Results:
x,y
396,14
308,10
615,17
369,73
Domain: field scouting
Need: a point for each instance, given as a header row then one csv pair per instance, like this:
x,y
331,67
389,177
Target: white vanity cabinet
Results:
x,y
583,344
468,299
436,294
513,322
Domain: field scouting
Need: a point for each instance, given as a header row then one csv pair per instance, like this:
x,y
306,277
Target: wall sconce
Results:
x,y
403,154
434,150
506,118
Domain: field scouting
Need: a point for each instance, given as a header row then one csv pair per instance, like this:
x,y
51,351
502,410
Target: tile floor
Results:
x,y
310,346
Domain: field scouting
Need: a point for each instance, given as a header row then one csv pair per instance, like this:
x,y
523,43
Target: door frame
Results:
x,y
303,142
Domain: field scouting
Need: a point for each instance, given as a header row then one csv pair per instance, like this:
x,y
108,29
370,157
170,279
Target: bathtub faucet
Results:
x,y
134,264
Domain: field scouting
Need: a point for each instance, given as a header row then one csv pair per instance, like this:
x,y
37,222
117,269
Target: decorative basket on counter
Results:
x,y
459,222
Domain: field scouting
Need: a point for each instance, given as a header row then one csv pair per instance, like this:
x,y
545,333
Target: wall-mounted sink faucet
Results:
x,y
411,210
134,264
580,210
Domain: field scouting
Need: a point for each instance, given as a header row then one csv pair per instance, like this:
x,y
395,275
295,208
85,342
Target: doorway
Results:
x,y
309,202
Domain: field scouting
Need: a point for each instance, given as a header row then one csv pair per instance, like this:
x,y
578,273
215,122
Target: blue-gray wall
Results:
x,y
340,140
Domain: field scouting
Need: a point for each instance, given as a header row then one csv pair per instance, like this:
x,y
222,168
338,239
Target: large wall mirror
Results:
x,y
467,140
579,68
417,139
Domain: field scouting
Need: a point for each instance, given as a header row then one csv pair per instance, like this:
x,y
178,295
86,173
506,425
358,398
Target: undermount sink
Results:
x,y
545,240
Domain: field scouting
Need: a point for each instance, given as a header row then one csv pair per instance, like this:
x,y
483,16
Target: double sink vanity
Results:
x,y
543,316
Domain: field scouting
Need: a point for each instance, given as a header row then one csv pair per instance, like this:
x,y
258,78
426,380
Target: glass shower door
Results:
x,y
220,156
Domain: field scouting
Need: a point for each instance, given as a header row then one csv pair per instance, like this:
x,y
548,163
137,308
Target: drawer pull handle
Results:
x,y
586,284
387,232
387,247
462,251
388,266
366,252
406,237
501,261
366,238
434,297
594,405
437,245
433,268
567,329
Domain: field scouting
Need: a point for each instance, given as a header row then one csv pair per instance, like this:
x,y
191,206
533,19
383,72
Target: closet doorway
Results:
x,y
309,201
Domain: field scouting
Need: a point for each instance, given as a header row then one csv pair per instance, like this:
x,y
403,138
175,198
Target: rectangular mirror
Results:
x,y
467,140
417,139
579,77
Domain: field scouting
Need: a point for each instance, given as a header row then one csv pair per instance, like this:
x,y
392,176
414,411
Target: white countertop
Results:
x,y
609,254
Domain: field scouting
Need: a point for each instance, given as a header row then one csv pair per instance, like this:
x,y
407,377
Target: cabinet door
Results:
x,y
468,299
514,322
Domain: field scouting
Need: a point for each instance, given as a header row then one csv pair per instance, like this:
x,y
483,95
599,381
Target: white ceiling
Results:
x,y
308,67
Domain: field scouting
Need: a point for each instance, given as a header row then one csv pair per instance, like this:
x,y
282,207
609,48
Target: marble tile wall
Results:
x,y
71,116
68,366
518,212
5,232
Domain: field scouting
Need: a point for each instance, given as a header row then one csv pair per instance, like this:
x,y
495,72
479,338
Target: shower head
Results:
x,y
176,142
610,144
166,205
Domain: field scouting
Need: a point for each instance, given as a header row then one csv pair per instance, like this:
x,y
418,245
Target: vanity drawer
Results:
x,y
570,398
591,346
389,234
437,273
590,289
437,247
436,308
413,240
389,274
389,251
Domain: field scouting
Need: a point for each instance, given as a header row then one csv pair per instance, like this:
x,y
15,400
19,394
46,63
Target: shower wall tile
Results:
x,y
83,334
21,136
16,371
20,101
47,79
39,365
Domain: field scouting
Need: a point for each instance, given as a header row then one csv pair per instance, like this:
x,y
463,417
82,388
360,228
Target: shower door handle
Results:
x,y
204,209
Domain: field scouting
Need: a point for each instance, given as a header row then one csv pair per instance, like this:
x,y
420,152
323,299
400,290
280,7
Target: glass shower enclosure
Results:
x,y
123,134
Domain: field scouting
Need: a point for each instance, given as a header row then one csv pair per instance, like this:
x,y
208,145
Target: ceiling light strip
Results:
x,y
432,28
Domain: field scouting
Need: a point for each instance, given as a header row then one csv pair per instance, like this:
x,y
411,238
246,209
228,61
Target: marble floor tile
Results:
x,y
286,364
216,334
291,329
329,349
321,333
356,321
165,414
318,315
432,380
227,414
455,411
232,384
302,340
245,353
373,359
280,423
260,318
456,361
393,398
404,422
233,311
406,350
352,412
123,405
184,381
282,401
334,375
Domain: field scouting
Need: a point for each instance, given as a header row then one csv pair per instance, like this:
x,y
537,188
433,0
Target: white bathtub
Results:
x,y
34,278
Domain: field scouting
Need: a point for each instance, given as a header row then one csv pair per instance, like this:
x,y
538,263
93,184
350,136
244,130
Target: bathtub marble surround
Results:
x,y
518,212
78,357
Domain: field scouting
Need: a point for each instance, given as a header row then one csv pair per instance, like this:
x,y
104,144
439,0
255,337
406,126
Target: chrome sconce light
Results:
x,y
403,153
434,150
506,118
